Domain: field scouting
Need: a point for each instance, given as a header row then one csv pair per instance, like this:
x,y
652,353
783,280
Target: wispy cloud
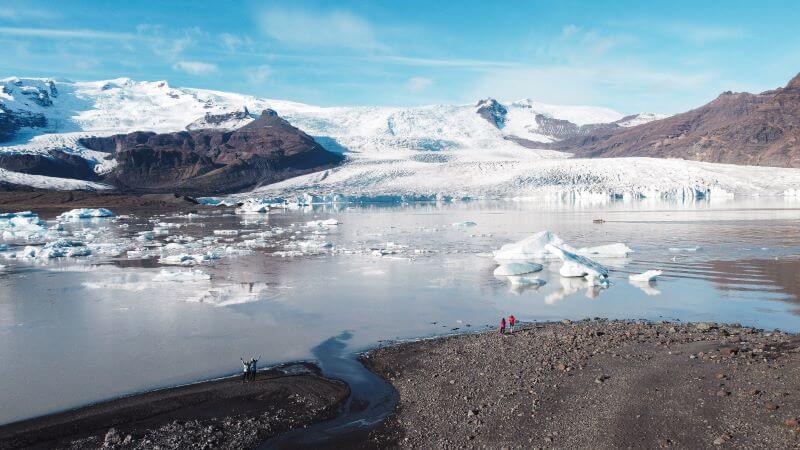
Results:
x,y
441,62
196,67
259,75
418,84
303,28
54,33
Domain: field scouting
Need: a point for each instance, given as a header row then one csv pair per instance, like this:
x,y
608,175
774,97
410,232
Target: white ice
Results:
x,y
84,213
575,265
531,248
645,277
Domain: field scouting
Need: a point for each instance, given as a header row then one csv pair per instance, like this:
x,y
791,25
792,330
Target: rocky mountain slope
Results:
x,y
737,128
212,161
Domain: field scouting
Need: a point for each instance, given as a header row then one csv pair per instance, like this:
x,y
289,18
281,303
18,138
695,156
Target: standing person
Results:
x,y
503,325
245,369
254,367
511,321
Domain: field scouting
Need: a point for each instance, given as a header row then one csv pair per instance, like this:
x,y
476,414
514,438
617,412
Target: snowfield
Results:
x,y
426,152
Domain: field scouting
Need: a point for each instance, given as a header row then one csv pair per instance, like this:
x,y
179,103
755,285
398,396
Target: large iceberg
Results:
x,y
575,265
529,248
535,248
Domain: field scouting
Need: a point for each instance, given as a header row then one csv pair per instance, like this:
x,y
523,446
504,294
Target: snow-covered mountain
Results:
x,y
488,148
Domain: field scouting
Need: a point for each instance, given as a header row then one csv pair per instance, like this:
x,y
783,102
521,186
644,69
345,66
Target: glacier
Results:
x,y
394,154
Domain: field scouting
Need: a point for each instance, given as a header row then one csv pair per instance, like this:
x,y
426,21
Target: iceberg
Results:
x,y
645,277
84,213
517,268
465,224
533,247
23,225
575,265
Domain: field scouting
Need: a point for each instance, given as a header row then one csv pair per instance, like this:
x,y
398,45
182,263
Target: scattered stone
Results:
x,y
771,406
112,437
791,422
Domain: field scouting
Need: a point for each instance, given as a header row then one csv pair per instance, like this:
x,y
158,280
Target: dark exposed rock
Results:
x,y
55,164
207,162
13,121
738,128
213,121
491,110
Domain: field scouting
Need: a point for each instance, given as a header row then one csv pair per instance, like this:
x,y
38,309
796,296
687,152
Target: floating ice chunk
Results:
x,y
3,247
323,223
618,250
465,224
645,277
181,275
182,259
517,268
252,206
23,225
579,266
226,232
533,247
85,213
526,280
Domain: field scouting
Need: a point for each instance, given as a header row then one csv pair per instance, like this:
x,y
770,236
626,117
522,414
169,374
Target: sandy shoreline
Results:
x,y
595,384
224,413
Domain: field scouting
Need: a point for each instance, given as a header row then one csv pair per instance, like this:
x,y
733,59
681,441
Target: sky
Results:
x,y
632,56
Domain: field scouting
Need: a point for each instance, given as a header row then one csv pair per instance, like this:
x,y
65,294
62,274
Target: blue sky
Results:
x,y
628,55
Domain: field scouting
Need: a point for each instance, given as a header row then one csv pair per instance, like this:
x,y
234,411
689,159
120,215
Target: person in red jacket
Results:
x,y
511,321
503,325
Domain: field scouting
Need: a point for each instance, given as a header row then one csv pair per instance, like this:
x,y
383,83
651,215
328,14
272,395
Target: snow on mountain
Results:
x,y
485,149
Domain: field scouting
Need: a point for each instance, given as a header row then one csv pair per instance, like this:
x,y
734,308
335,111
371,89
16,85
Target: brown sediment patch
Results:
x,y
596,384
223,413
51,203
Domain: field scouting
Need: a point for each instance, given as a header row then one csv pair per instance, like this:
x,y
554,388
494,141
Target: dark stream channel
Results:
x,y
371,401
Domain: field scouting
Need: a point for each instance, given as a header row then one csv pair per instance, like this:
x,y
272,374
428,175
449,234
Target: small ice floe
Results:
x,y
182,275
323,223
60,248
182,259
645,277
465,224
252,206
84,213
575,265
226,232
23,225
517,268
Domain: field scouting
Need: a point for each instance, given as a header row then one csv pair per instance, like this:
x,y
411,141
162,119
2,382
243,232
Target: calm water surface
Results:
x,y
79,331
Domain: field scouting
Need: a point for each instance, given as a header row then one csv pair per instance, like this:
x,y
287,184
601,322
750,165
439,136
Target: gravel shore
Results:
x,y
595,384
223,413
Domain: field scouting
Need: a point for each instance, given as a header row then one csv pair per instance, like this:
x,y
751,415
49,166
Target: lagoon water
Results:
x,y
82,330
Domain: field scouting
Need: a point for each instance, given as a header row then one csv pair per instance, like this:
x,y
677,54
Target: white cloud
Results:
x,y
302,28
52,33
196,67
570,30
417,84
259,75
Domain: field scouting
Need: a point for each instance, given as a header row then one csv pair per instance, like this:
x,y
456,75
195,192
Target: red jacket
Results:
x,y
512,320
503,322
